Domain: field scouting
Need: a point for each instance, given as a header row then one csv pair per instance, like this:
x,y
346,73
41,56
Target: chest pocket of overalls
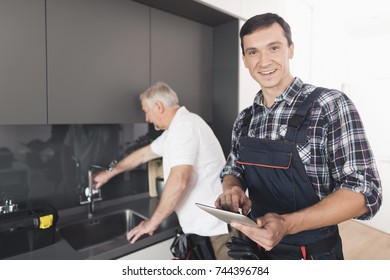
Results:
x,y
269,175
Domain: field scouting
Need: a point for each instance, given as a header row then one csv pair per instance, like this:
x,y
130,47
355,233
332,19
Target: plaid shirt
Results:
x,y
336,155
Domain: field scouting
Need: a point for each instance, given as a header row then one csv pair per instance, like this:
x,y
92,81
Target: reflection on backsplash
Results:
x,y
48,164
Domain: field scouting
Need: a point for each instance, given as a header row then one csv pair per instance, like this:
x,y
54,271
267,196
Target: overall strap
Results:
x,y
246,122
299,122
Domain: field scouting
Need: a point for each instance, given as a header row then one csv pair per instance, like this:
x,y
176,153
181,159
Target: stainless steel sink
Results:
x,y
99,229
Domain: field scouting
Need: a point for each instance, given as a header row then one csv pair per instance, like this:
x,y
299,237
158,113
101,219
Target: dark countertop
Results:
x,y
141,204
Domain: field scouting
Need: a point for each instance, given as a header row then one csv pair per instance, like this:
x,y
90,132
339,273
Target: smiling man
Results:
x,y
301,153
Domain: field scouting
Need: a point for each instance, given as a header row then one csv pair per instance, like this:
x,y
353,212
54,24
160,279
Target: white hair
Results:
x,y
160,92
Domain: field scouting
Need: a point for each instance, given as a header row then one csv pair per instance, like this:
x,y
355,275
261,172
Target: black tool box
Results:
x,y
27,230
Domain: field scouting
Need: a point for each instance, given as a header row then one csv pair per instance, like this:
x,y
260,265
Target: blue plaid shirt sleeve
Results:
x,y
350,158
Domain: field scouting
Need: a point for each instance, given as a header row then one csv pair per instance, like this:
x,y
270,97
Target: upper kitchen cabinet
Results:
x,y
22,62
87,61
182,56
98,57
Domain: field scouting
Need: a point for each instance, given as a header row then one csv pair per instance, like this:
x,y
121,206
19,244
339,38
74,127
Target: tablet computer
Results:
x,y
227,216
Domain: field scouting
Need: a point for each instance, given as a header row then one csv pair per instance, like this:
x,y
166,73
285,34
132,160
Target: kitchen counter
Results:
x,y
141,204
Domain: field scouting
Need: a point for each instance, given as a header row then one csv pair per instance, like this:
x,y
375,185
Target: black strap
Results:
x,y
304,109
299,122
246,122
323,245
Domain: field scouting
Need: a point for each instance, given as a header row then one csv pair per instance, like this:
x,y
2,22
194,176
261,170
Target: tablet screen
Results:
x,y
227,216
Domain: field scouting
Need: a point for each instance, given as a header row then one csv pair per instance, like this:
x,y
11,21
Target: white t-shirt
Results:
x,y
190,141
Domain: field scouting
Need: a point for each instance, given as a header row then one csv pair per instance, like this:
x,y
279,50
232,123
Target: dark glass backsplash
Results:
x,y
48,164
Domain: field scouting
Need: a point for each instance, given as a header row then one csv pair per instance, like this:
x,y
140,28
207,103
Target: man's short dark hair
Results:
x,y
263,21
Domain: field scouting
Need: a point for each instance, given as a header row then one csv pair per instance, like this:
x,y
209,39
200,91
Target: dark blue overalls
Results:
x,y
277,182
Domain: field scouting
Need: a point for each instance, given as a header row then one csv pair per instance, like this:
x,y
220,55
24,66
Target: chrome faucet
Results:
x,y
92,194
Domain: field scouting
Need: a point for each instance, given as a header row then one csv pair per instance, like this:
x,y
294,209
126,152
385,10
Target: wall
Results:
x,y
367,82
350,54
244,9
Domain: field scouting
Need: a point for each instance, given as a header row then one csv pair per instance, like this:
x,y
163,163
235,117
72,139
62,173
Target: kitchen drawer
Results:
x,y
159,251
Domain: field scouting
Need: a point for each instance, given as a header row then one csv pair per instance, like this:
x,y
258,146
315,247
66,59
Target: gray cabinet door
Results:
x,y
181,54
98,60
22,62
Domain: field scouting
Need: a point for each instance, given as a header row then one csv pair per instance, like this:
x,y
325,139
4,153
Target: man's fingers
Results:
x,y
233,200
135,238
223,202
218,202
246,207
134,235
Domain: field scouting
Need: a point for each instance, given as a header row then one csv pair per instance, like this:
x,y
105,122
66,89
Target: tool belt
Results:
x,y
191,247
295,252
